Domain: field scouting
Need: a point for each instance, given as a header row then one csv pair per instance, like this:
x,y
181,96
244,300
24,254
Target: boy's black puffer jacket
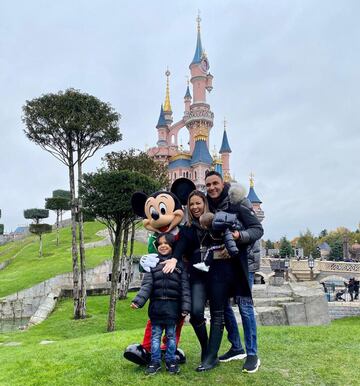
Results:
x,y
169,293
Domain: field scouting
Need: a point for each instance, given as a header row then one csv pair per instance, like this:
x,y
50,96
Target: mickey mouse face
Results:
x,y
161,213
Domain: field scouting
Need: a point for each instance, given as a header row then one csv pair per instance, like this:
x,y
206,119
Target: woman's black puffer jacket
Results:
x,y
169,293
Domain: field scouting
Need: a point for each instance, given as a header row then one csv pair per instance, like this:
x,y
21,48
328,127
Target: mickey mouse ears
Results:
x,y
182,187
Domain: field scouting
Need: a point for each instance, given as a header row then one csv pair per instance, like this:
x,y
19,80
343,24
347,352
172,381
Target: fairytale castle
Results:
x,y
198,119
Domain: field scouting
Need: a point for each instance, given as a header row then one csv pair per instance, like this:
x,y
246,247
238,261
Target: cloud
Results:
x,y
285,77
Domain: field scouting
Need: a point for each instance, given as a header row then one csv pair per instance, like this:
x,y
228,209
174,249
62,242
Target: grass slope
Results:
x,y
28,269
84,354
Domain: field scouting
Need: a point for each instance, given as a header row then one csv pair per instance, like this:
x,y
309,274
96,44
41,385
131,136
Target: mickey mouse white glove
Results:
x,y
148,261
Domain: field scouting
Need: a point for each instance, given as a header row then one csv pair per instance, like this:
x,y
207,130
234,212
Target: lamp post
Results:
x,y
286,265
311,264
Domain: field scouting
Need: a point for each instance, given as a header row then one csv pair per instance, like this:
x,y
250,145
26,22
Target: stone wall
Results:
x,y
338,310
25,303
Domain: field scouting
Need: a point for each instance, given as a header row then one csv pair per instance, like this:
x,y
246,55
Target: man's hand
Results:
x,y
236,235
169,265
133,305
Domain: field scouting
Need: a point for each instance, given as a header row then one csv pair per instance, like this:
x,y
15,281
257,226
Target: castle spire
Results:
x,y
252,196
187,94
225,147
167,104
198,50
161,121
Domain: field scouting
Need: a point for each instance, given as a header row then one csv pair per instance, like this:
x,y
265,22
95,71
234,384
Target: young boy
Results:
x,y
169,299
219,235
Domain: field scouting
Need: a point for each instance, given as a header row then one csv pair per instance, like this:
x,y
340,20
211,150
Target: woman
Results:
x,y
189,245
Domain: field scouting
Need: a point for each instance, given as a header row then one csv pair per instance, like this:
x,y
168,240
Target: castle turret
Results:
x,y
167,105
200,117
217,162
201,160
225,151
162,128
187,101
256,202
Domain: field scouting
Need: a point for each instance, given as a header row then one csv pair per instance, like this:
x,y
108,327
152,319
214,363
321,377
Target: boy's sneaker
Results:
x,y
232,355
172,367
251,364
201,267
152,368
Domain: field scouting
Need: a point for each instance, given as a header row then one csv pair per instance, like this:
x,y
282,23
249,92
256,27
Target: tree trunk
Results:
x,y
74,249
57,227
114,278
125,265
82,299
132,239
40,245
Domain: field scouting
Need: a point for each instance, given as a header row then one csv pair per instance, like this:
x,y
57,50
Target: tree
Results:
x,y
309,243
285,249
269,245
138,161
1,226
72,126
39,229
336,252
107,195
59,203
323,233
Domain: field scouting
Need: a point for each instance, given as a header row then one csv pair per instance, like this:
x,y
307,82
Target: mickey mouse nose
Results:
x,y
155,215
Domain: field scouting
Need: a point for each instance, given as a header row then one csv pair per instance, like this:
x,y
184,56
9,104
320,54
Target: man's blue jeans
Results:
x,y
156,333
246,309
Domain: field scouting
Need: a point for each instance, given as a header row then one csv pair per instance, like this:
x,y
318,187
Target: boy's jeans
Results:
x,y
156,332
246,309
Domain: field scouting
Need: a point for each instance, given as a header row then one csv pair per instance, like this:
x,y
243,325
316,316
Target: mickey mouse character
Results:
x,y
162,212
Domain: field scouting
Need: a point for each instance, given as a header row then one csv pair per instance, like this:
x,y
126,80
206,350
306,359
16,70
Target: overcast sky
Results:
x,y
286,77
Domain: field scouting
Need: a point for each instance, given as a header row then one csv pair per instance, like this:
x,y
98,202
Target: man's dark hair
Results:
x,y
169,237
213,173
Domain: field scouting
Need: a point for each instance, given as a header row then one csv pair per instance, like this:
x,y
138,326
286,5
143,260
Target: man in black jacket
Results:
x,y
170,298
229,277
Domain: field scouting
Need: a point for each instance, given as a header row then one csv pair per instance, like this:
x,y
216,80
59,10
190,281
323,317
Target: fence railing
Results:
x,y
327,266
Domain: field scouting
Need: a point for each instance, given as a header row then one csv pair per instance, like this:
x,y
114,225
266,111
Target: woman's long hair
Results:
x,y
200,194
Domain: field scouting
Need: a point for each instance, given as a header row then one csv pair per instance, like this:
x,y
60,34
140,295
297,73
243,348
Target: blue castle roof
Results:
x,y
161,121
179,163
218,168
225,147
252,196
201,153
187,95
198,50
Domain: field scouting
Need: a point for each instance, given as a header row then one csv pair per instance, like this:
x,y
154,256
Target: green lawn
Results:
x,y
28,269
84,354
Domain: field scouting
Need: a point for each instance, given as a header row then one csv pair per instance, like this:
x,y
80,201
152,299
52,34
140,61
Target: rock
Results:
x,y
47,341
12,344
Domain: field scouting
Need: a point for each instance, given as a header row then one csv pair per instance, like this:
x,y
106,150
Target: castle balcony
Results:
x,y
200,115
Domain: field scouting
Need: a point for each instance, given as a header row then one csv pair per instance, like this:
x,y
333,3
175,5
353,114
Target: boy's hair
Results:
x,y
206,220
169,238
213,173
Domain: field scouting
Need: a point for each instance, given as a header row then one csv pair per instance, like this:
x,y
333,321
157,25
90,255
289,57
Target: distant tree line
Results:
x,y
310,243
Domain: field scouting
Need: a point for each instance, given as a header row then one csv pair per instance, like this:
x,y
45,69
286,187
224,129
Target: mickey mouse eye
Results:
x,y
152,210
162,208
